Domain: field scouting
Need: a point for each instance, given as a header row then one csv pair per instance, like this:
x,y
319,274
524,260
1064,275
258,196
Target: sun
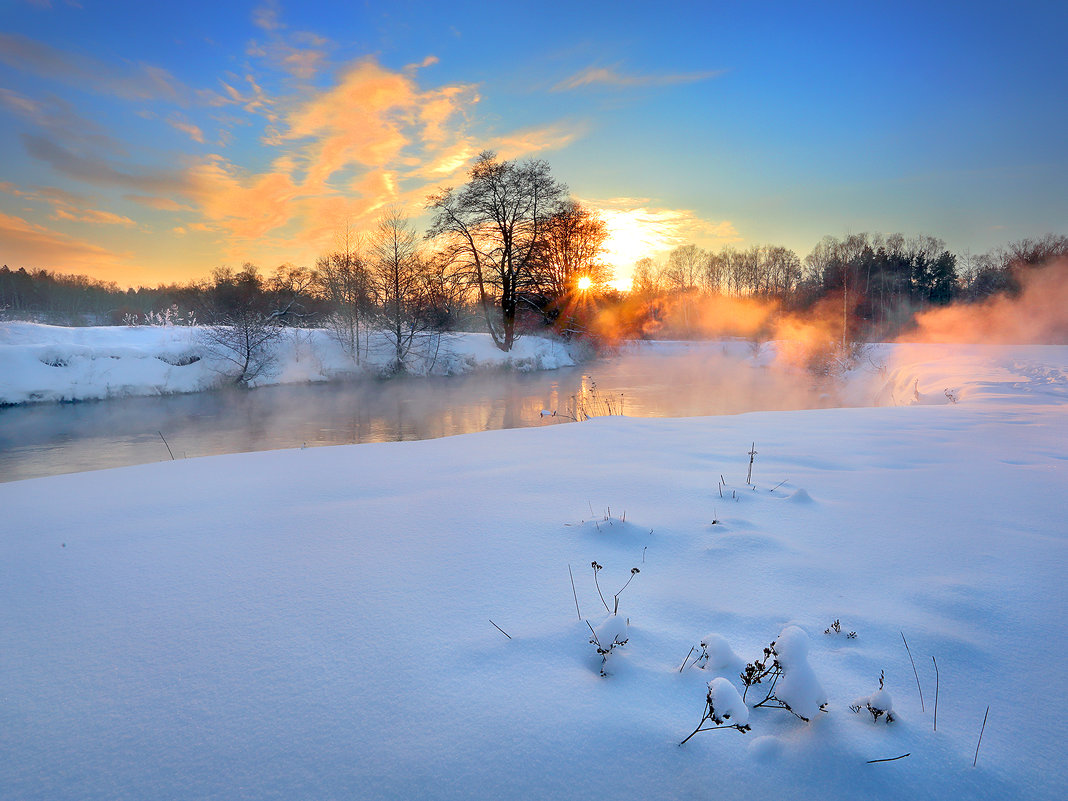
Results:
x,y
584,283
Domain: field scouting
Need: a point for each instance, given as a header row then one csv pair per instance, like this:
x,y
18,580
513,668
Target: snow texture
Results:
x,y
314,623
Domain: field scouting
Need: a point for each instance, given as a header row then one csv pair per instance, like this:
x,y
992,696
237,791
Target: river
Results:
x,y
48,439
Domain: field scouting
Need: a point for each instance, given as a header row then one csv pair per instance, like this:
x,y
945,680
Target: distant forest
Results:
x,y
511,253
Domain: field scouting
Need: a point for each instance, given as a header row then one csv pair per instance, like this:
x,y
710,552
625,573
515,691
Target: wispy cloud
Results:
x,y
188,128
66,205
100,172
94,216
130,81
58,118
266,16
607,76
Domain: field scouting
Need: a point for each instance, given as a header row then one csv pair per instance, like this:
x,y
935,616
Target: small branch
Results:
x,y
165,443
596,567
577,612
974,761
936,693
594,633
914,671
502,631
779,484
704,717
891,759
685,660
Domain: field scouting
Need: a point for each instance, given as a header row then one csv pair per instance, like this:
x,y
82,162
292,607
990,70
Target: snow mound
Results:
x,y
716,653
727,705
798,688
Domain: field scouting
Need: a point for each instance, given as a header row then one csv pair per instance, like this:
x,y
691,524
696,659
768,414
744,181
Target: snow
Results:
x,y
798,688
727,704
52,363
716,653
314,623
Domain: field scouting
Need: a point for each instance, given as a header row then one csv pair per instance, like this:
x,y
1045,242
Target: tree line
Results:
x,y
510,252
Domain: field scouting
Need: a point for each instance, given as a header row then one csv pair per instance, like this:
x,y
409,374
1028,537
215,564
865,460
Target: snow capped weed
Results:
x,y
724,708
785,671
879,703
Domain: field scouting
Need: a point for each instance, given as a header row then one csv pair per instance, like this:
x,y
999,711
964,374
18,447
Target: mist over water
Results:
x,y
672,380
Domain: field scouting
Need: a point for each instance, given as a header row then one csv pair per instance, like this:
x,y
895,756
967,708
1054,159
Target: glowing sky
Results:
x,y
148,142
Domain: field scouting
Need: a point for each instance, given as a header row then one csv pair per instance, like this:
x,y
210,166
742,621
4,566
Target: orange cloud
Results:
x,y
93,216
35,246
188,128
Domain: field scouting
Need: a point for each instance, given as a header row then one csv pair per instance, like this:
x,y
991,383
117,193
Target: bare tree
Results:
x,y
492,228
242,325
572,249
686,268
400,284
341,277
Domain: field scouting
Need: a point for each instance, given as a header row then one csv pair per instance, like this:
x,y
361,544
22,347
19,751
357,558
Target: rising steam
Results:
x,y
1037,314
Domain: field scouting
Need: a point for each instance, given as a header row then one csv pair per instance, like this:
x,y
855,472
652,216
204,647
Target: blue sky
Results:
x,y
147,142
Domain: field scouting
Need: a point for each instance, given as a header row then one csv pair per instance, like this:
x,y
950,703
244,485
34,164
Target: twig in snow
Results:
x,y
974,761
752,455
577,612
684,663
597,567
936,693
646,548
891,759
165,443
915,673
779,484
502,631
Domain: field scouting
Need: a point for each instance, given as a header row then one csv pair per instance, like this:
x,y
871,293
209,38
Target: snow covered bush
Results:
x,y
716,653
790,681
879,703
724,708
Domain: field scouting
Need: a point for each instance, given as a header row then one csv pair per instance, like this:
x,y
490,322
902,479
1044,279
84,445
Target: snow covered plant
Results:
x,y
784,670
879,703
724,708
611,634
716,653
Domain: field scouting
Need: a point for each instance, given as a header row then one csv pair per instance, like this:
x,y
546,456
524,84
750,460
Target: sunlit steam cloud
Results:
x,y
1038,314
802,341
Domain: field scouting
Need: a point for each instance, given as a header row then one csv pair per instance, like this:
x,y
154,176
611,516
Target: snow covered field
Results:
x,y
54,363
315,624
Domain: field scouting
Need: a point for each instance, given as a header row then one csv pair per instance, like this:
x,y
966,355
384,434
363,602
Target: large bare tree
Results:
x,y
492,228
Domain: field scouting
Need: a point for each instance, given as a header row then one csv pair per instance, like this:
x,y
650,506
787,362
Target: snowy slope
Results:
x,y
314,623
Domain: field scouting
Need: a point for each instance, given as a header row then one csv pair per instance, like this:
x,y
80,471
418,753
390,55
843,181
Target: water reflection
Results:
x,y
47,439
